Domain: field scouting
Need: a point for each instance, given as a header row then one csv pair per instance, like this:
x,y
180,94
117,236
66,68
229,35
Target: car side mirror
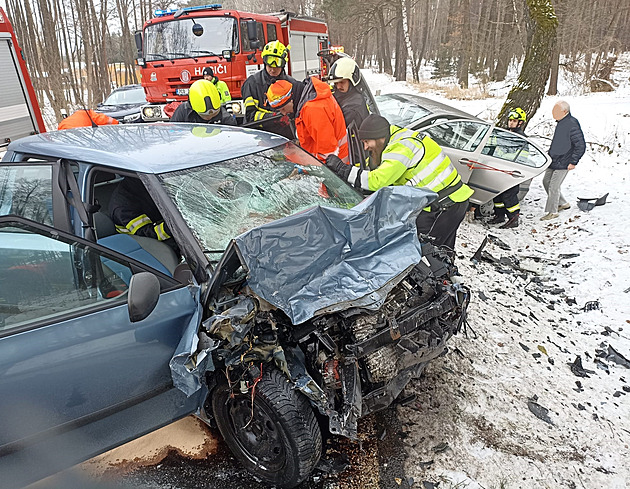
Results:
x,y
142,296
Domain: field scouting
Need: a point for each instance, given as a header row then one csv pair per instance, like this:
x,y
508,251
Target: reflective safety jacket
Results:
x,y
413,158
257,108
222,88
133,211
86,118
319,122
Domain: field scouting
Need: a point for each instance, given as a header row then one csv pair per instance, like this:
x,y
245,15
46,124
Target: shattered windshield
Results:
x,y
175,39
222,200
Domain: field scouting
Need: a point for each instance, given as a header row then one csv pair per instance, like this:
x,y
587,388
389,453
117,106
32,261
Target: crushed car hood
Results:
x,y
326,259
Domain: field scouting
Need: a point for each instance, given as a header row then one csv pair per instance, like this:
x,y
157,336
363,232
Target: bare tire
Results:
x,y
282,442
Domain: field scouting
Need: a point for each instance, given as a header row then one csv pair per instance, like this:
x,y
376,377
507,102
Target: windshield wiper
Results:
x,y
203,51
158,55
178,54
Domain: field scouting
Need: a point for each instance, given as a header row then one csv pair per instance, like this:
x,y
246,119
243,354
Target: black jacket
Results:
x,y
185,113
352,105
254,93
131,200
567,145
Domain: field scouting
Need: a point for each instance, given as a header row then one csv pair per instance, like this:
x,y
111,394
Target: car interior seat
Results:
x,y
149,251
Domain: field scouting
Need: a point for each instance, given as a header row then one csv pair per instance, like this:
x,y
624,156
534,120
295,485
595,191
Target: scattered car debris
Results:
x,y
477,256
612,355
587,204
602,366
543,349
578,370
592,306
496,241
441,447
579,387
524,347
539,411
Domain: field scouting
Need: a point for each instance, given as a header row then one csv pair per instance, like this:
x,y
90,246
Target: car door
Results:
x,y
489,159
77,376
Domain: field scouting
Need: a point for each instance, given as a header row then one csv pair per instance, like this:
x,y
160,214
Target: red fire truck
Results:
x,y
176,45
19,111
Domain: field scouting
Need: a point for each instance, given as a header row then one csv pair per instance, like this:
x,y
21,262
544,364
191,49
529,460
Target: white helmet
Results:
x,y
345,69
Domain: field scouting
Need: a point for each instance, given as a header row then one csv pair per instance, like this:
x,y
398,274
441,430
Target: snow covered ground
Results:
x,y
472,424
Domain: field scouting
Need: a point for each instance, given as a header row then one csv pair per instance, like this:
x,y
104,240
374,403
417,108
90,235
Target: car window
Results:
x,y
130,96
464,135
510,146
271,33
222,200
399,111
26,191
245,38
42,277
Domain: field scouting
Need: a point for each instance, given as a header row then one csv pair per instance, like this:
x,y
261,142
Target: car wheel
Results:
x,y
275,436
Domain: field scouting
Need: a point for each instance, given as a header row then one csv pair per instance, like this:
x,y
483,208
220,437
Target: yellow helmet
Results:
x,y
518,114
275,54
204,98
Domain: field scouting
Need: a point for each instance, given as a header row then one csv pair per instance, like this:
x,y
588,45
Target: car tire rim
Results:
x,y
258,435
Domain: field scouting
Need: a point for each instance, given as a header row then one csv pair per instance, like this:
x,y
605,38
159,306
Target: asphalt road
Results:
x,y
375,462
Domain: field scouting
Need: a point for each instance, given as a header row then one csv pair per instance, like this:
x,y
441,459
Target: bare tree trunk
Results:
x,y
386,54
530,88
400,72
555,68
405,26
465,45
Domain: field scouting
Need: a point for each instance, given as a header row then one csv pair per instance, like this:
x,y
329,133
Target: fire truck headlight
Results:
x,y
236,108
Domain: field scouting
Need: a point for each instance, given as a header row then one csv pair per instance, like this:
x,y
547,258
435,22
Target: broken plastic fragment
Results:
x,y
577,369
539,411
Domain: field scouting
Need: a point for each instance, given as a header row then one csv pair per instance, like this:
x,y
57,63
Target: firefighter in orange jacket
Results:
x,y
319,122
86,118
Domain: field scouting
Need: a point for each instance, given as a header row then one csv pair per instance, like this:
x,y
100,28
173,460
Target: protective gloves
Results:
x,y
334,163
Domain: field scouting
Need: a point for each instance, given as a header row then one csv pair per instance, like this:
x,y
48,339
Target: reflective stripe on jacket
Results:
x,y
319,122
411,158
222,88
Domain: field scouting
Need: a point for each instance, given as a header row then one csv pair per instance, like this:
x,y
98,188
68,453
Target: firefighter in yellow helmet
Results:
x,y
257,109
203,106
507,204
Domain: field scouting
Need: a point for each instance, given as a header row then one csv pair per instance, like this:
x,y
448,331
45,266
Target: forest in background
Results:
x,y
77,50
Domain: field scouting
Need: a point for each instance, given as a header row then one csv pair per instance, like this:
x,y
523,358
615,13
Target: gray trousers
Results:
x,y
552,181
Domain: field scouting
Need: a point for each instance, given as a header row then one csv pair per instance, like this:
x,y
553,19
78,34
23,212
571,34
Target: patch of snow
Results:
x,y
529,328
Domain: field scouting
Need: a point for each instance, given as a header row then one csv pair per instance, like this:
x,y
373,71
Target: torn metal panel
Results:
x,y
188,365
329,259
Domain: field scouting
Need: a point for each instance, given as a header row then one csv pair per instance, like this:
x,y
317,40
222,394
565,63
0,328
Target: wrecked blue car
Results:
x,y
288,306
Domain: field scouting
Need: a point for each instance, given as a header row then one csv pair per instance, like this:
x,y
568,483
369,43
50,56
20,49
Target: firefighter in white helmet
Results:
x,y
345,75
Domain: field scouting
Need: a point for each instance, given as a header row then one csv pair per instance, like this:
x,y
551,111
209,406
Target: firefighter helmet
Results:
x,y
275,54
204,98
345,69
517,114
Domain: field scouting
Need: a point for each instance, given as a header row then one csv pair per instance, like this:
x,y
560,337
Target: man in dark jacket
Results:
x,y
203,106
567,147
254,90
345,74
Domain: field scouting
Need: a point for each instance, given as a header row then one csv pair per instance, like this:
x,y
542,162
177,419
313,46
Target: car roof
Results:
x,y
149,148
127,87
430,105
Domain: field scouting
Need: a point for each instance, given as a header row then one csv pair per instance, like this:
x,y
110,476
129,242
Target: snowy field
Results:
x,y
473,423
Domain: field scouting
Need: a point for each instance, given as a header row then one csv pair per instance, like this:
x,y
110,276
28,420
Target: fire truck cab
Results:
x,y
19,111
176,45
